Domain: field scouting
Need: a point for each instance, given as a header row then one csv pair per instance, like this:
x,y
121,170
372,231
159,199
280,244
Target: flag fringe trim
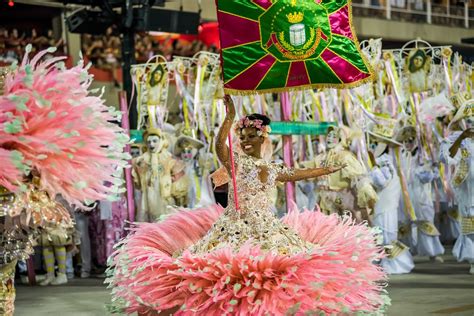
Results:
x,y
350,85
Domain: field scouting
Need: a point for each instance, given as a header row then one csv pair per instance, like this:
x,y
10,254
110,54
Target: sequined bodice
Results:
x,y
254,222
252,193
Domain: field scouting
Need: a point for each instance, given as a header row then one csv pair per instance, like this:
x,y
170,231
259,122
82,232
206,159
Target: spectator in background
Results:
x,y
82,225
54,241
104,51
14,41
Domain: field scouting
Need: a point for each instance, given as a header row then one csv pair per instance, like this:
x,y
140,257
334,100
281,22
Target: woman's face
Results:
x,y
250,142
135,152
418,62
154,143
157,76
332,139
410,144
187,153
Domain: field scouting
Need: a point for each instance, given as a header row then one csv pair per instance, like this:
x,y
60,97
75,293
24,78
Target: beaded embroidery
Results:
x,y
254,222
463,168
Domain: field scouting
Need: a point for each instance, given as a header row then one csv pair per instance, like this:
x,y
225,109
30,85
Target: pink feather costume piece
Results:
x,y
338,277
62,131
10,173
161,266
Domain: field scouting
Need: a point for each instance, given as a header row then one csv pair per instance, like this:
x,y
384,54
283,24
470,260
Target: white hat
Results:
x,y
195,143
466,110
384,130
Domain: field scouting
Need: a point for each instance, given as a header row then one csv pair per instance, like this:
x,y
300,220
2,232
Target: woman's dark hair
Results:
x,y
418,53
255,116
158,69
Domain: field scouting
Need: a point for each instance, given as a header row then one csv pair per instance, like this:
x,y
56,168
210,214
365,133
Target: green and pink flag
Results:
x,y
280,45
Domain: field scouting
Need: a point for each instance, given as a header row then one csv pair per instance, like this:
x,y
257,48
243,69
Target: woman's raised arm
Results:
x,y
222,149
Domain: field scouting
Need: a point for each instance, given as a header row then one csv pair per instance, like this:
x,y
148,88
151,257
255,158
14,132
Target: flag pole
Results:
x,y
128,172
287,149
232,167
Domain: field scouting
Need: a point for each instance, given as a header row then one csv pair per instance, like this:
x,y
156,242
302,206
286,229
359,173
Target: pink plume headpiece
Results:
x,y
52,124
262,130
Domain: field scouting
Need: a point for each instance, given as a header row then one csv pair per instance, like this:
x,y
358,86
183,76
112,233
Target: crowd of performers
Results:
x,y
404,149
398,159
390,178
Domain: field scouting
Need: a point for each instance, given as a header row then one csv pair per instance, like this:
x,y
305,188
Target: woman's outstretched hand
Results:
x,y
305,174
333,169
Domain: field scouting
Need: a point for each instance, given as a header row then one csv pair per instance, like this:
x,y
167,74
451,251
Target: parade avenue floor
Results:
x,y
432,289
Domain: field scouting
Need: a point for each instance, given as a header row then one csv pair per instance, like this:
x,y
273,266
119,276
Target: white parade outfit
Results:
x,y
450,224
387,183
419,177
463,186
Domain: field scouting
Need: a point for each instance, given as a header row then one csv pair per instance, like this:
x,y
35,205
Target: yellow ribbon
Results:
x,y
201,84
364,103
409,210
138,75
198,188
214,155
469,82
185,114
317,106
264,105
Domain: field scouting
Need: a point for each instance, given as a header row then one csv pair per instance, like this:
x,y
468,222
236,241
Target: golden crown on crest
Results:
x,y
295,17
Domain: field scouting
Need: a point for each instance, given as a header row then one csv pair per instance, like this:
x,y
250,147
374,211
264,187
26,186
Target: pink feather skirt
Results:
x,y
338,276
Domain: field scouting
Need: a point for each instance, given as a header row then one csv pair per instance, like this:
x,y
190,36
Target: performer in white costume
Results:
x,y
419,176
205,162
349,189
458,150
187,188
449,218
153,173
387,183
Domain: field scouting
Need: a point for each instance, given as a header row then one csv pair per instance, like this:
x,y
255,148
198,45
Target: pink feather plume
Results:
x,y
337,277
63,131
9,174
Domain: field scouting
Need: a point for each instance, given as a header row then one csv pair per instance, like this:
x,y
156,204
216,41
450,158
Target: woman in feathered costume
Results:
x,y
55,138
50,123
243,260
